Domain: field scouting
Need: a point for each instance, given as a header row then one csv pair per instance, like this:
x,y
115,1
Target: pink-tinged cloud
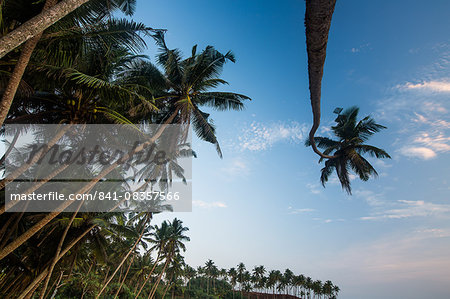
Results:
x,y
418,152
436,86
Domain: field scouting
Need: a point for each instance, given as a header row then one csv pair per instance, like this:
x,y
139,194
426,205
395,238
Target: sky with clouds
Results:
x,y
263,202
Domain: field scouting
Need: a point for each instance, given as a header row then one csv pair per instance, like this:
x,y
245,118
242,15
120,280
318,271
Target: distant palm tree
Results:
x,y
349,148
209,269
232,273
240,275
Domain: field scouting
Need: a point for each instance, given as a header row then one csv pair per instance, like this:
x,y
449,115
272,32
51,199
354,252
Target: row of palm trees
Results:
x,y
263,281
87,68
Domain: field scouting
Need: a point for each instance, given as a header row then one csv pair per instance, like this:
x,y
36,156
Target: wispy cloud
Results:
x,y
360,48
236,167
435,86
260,136
410,208
208,205
300,211
420,106
314,188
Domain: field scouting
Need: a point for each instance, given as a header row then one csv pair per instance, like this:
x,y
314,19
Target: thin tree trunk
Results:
x,y
150,274
125,257
35,159
155,287
125,277
167,287
43,274
58,251
37,25
22,62
28,234
10,148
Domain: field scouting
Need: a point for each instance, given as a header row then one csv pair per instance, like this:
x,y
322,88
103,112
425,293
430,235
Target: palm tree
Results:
x,y
31,32
240,276
209,269
233,274
317,23
349,148
174,244
187,82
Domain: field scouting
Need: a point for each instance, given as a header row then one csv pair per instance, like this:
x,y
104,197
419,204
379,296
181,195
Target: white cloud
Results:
x,y
418,152
435,86
410,208
259,136
300,211
208,205
314,188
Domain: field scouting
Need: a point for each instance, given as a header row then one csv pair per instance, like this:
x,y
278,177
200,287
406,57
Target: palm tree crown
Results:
x,y
349,147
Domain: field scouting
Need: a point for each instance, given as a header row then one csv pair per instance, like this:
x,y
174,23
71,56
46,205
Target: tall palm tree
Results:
x,y
349,147
187,84
317,23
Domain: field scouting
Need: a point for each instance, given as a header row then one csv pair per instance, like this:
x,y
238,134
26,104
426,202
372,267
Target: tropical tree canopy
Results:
x,y
349,148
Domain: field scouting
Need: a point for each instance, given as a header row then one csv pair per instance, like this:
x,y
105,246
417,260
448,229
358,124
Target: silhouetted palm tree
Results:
x,y
349,147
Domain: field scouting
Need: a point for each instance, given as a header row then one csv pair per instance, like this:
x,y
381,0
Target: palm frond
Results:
x,y
222,100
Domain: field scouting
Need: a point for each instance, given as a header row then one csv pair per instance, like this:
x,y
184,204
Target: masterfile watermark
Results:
x,y
107,167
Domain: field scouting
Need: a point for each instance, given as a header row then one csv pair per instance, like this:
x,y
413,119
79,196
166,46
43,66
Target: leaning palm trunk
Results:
x,y
155,287
167,287
126,256
58,251
44,273
38,226
149,275
21,64
37,25
35,186
19,171
317,22
125,276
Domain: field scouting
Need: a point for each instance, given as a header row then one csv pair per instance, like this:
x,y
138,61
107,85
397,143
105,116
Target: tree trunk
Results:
x,y
149,275
37,25
42,275
28,234
58,251
22,62
317,22
125,257
155,287
125,277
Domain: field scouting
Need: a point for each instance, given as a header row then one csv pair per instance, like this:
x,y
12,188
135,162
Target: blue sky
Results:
x,y
263,203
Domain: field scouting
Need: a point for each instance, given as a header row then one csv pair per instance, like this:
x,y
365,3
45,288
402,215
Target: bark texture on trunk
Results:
x,y
37,25
317,23
16,77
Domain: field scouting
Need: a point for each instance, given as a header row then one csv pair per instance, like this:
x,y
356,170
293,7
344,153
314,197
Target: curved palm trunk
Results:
x,y
21,64
58,251
317,22
38,226
37,25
